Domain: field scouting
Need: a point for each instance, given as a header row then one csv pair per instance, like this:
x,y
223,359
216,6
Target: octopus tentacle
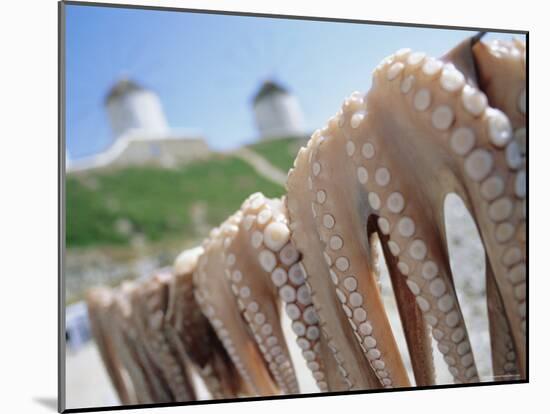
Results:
x,y
503,77
475,134
404,204
501,196
503,354
192,334
217,302
136,371
133,353
354,371
128,348
348,253
99,302
265,234
417,333
149,301
247,273
501,74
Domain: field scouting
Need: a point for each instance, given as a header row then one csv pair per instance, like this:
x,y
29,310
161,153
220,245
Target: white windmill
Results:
x,y
278,113
131,107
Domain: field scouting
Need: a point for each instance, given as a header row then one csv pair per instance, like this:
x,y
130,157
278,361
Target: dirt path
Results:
x,y
262,166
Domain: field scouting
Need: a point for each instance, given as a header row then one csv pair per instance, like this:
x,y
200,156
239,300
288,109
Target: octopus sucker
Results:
x,y
369,187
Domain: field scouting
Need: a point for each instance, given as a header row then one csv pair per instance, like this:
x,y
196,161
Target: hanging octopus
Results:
x,y
152,335
374,179
456,125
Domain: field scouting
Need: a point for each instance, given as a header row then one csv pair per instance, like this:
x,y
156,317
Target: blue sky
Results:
x,y
206,68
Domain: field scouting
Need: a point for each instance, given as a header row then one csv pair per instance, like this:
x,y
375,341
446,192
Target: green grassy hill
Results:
x,y
113,207
121,223
280,152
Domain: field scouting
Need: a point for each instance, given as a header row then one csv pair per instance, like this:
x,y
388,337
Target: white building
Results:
x,y
278,113
142,135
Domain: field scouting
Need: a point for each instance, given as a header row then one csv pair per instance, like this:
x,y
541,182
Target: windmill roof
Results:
x,y
120,88
268,88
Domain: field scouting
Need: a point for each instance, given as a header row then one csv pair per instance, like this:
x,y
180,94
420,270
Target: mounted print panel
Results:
x,y
265,206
